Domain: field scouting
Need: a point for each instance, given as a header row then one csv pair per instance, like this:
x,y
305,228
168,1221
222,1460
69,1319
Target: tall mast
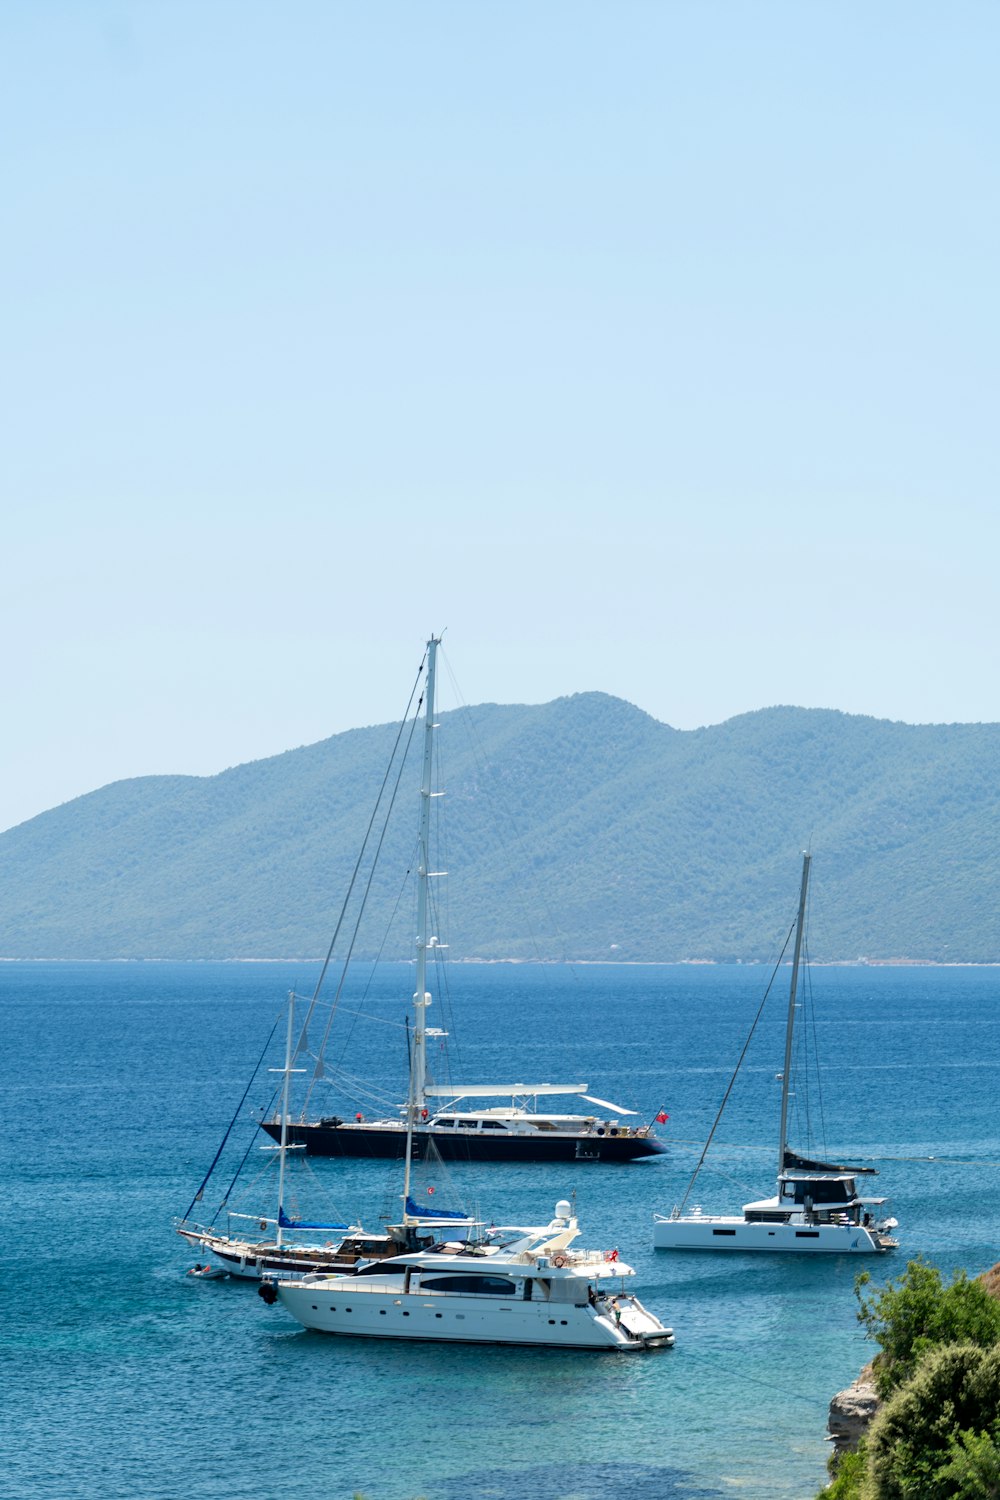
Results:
x,y
786,1075
421,998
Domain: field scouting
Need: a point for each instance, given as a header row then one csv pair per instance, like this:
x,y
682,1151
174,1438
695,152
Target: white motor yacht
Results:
x,y
501,1286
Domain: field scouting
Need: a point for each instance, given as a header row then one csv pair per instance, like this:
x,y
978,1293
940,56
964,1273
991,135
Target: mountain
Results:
x,y
581,828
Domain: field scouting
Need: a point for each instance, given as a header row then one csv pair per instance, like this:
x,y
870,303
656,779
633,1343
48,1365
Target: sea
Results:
x,y
125,1379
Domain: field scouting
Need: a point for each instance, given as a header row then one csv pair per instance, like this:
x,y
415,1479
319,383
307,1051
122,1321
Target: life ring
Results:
x,y
423,1114
559,1261
263,1224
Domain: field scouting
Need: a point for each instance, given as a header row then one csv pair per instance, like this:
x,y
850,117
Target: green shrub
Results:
x,y
919,1313
848,1470
914,1444
974,1470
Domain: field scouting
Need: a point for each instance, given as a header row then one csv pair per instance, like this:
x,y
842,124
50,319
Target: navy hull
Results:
x,y
388,1141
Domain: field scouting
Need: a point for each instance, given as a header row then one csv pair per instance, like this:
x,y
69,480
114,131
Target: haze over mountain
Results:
x,y
581,828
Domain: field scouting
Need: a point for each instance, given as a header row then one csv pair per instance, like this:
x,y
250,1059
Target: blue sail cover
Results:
x,y
420,1212
285,1223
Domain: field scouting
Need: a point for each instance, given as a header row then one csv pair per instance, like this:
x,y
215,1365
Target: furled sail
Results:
x,y
792,1161
419,1211
284,1222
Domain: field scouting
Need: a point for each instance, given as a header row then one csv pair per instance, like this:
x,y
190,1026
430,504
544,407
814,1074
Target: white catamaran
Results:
x,y
518,1285
816,1208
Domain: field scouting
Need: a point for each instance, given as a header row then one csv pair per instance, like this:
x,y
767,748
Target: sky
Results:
x,y
648,347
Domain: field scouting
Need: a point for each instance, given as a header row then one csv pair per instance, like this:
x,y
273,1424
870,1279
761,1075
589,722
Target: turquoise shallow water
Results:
x,y
123,1378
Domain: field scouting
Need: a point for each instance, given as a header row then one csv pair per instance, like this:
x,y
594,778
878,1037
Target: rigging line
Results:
x,y
371,975
363,1015
736,1070
225,1197
815,1041
441,982
803,1108
232,1122
948,1161
733,1374
361,854
439,895
727,1177
320,1056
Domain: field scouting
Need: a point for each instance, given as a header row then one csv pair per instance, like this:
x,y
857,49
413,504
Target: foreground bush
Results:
x,y
937,1436
919,1313
937,1429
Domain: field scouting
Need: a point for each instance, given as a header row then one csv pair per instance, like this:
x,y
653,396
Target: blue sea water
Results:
x,y
122,1377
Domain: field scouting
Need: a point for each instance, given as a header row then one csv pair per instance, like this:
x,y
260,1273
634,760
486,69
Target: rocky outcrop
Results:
x,y
851,1412
991,1280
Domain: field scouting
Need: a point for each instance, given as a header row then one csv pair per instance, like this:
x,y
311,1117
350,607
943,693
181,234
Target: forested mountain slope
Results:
x,y
580,828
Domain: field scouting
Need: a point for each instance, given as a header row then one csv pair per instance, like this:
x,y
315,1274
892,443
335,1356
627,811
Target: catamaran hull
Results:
x,y
389,1142
465,1320
797,1239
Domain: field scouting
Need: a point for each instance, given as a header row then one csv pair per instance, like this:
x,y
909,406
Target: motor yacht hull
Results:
x,y
388,1141
359,1312
791,1238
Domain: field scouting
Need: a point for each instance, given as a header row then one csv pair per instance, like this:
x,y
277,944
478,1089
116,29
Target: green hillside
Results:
x,y
581,828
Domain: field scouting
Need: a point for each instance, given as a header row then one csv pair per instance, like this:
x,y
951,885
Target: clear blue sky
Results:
x,y
649,347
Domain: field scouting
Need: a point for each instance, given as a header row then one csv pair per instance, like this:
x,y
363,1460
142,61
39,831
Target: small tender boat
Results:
x,y
208,1273
817,1208
499,1286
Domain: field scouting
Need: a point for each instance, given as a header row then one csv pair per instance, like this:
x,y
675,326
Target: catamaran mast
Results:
x,y
787,1073
421,999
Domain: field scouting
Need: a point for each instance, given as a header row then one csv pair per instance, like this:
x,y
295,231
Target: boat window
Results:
x,y
483,1286
494,1125
444,1124
807,1234
723,1231
820,1189
384,1268
469,1124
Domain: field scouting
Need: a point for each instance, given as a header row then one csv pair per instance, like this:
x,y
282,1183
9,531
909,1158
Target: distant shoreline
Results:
x,y
576,963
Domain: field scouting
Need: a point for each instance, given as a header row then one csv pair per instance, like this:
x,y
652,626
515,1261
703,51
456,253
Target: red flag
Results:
x,y
662,1117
